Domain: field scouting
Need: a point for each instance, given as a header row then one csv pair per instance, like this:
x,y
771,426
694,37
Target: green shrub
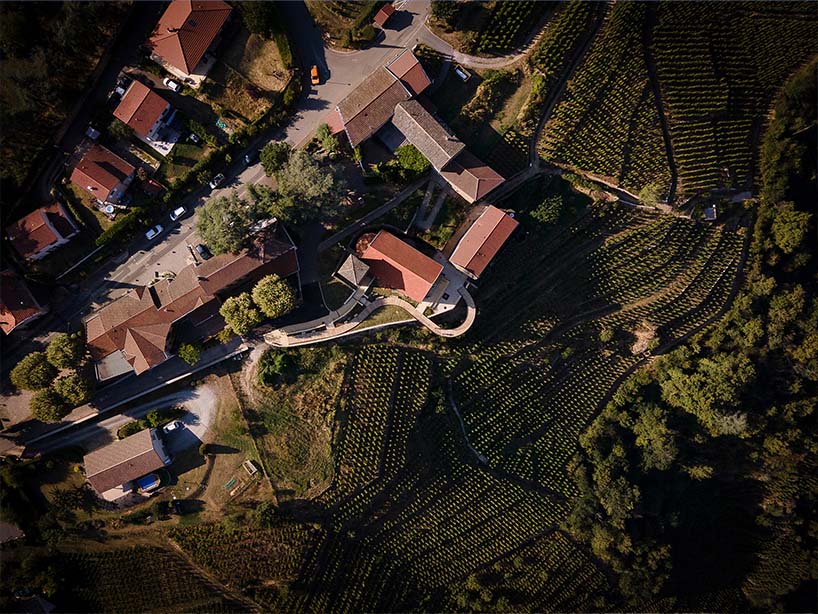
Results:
x,y
33,372
190,353
65,351
74,389
47,406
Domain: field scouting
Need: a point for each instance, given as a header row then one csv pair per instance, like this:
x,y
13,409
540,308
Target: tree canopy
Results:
x,y
224,223
48,406
274,296
65,351
240,314
308,187
274,156
74,389
33,372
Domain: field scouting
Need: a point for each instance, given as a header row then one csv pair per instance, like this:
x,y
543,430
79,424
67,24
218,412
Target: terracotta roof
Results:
x,y
122,461
186,30
470,177
483,240
140,108
398,265
369,106
17,304
139,323
423,131
100,170
409,70
383,15
40,229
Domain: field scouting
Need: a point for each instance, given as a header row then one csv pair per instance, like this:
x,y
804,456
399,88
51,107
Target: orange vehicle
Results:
x,y
314,75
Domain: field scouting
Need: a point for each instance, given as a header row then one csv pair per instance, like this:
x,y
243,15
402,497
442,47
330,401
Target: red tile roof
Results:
x,y
398,265
100,170
483,240
122,461
140,108
40,229
383,15
17,304
408,69
139,323
470,177
186,30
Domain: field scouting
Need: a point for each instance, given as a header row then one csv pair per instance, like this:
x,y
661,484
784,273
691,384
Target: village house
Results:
x,y
183,36
103,174
135,332
18,307
42,231
383,15
143,110
114,470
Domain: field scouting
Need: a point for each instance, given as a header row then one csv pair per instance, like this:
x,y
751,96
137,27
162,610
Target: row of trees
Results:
x,y
38,371
699,474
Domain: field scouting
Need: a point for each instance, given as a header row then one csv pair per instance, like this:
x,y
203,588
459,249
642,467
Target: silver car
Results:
x,y
154,232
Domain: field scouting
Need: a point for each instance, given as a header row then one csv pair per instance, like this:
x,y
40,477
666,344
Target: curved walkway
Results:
x,y
324,329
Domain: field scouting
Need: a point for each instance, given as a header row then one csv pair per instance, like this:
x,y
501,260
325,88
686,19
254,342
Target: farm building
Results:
x,y
386,101
114,470
42,231
479,244
397,265
133,333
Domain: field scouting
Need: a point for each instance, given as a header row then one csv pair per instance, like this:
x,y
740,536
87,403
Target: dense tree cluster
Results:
x,y
700,473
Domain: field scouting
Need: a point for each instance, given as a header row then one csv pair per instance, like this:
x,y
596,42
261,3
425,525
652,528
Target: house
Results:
x,y
470,178
184,34
113,469
103,174
481,242
368,107
18,307
383,15
389,95
143,110
42,231
134,332
397,265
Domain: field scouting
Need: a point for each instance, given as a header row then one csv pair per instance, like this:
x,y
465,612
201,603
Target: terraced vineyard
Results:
x,y
141,579
508,25
607,122
417,517
719,65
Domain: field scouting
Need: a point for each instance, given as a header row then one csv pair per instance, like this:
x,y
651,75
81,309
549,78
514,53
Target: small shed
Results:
x,y
354,271
383,15
711,213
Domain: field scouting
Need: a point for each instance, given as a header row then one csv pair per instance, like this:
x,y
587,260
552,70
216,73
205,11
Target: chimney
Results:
x,y
172,30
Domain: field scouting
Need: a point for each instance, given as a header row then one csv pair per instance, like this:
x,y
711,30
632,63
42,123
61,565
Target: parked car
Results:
x,y
216,181
250,157
314,76
154,232
172,426
194,138
171,84
177,213
203,252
